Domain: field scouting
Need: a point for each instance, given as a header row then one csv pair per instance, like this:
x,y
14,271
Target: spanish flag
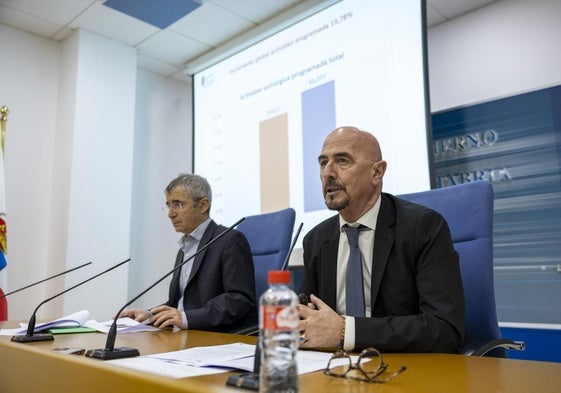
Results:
x,y
3,238
3,229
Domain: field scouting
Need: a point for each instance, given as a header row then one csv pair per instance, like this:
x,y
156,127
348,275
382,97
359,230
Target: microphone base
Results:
x,y
245,381
34,338
116,353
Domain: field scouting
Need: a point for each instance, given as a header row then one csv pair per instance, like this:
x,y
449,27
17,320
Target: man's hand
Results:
x,y
322,327
136,314
166,316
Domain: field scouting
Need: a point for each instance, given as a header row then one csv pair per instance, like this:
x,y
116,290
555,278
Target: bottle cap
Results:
x,y
279,277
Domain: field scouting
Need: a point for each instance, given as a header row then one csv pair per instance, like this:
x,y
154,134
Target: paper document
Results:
x,y
208,356
217,359
161,367
307,361
76,319
124,325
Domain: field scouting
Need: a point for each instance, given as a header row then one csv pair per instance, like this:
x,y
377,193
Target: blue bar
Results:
x,y
318,120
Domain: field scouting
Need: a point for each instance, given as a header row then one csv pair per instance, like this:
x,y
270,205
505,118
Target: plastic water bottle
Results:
x,y
278,335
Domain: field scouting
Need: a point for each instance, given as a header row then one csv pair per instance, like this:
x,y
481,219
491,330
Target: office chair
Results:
x,y
269,236
468,210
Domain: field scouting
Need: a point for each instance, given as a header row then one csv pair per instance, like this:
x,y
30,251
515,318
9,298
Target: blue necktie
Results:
x,y
354,282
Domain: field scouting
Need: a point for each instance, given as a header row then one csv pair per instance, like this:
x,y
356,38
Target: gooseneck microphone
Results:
x,y
285,263
46,279
110,352
29,336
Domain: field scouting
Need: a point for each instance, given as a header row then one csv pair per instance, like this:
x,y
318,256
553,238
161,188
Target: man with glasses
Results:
x,y
216,289
405,292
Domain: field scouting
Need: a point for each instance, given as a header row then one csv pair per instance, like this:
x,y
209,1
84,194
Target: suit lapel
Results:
x,y
383,243
329,269
174,287
207,236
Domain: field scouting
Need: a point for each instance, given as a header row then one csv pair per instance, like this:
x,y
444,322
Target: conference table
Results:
x,y
35,367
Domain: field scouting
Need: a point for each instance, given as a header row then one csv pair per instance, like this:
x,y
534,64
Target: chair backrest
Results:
x,y
269,236
468,209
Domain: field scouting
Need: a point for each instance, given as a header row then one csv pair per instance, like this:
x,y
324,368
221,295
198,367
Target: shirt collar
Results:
x,y
196,235
368,219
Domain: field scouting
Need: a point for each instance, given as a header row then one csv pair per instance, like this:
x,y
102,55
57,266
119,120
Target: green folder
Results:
x,y
72,329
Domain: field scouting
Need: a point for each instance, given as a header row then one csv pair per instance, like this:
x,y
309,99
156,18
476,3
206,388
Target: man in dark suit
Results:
x,y
215,290
412,290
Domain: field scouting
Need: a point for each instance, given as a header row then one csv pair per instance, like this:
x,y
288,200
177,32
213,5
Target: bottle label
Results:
x,y
280,317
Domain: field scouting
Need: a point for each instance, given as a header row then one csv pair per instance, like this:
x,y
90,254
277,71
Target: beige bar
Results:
x,y
273,148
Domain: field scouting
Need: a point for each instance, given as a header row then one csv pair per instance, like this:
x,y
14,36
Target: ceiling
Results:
x,y
210,27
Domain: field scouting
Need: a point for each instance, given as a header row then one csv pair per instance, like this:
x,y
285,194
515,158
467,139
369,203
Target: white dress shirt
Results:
x,y
189,245
366,245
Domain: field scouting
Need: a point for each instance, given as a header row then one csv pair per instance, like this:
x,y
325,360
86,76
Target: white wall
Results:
x,y
30,69
162,149
506,48
101,134
76,188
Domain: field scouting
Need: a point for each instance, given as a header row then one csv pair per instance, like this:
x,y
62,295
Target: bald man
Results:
x,y
412,288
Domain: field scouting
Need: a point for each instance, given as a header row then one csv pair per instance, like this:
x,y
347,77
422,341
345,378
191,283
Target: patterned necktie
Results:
x,y
354,281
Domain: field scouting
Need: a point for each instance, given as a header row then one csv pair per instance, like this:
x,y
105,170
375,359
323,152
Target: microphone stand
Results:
x,y
29,337
110,352
46,279
285,263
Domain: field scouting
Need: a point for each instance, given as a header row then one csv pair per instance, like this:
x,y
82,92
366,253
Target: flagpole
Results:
x,y
3,120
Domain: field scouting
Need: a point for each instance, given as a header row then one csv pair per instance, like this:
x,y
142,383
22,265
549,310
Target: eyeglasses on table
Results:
x,y
358,371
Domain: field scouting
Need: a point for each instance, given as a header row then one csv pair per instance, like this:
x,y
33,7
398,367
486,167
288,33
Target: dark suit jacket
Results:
x,y
220,293
417,294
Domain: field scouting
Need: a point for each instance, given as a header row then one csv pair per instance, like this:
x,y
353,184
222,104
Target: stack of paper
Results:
x,y
73,320
218,359
80,322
